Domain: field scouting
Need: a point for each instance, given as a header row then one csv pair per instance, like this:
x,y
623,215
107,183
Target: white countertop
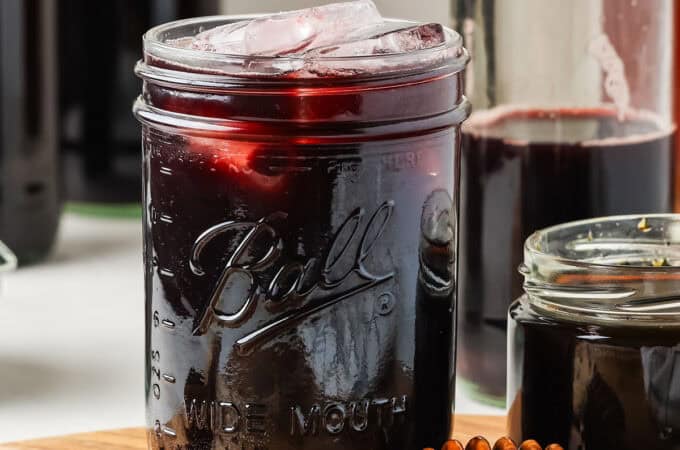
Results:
x,y
72,336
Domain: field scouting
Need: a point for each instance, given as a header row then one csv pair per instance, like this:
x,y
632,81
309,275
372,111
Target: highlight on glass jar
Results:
x,y
594,343
300,230
571,120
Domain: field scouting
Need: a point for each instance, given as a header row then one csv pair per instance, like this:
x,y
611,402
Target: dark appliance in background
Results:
x,y
99,44
29,197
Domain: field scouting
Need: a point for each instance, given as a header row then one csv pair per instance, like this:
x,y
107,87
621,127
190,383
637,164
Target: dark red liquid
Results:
x,y
524,171
594,387
336,244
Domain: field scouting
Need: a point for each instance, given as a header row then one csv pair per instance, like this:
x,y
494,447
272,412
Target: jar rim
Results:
x,y
604,269
532,245
451,54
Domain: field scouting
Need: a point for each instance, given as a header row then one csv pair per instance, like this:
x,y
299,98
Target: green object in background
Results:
x,y
109,210
478,395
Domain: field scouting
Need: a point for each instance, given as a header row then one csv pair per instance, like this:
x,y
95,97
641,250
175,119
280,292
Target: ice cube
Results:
x,y
319,39
297,31
226,39
288,33
384,39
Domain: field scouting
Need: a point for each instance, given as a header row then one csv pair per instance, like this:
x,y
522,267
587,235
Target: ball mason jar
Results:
x,y
300,240
594,344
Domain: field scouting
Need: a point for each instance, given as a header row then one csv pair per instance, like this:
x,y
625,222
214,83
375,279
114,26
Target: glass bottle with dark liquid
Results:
x,y
300,255
530,161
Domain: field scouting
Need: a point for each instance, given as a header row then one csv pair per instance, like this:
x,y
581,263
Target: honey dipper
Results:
x,y
504,443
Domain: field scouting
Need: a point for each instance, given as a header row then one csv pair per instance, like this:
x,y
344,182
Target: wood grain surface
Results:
x,y
134,439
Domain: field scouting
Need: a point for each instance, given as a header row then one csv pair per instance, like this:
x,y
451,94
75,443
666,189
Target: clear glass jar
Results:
x,y
594,344
300,236
572,119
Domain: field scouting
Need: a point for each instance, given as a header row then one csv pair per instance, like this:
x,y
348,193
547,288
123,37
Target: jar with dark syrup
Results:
x,y
594,343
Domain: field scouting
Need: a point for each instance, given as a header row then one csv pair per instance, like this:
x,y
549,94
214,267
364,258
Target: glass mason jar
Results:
x,y
572,119
300,237
594,344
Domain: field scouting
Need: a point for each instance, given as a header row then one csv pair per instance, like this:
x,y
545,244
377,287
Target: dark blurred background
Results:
x,y
67,132
99,43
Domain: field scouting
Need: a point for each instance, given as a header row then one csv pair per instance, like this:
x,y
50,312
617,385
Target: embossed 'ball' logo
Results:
x,y
296,290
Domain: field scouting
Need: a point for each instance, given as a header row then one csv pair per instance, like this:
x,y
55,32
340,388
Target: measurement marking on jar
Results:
x,y
168,431
169,324
296,169
166,272
169,378
163,430
157,216
165,323
166,171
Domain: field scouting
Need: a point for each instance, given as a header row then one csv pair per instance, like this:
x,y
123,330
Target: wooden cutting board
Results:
x,y
491,427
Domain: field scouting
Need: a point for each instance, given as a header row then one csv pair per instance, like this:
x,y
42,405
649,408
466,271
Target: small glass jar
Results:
x,y
594,343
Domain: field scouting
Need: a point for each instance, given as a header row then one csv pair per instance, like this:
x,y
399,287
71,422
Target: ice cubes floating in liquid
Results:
x,y
353,28
298,31
227,39
379,41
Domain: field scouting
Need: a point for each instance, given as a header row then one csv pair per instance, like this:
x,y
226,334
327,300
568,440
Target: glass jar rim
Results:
x,y
533,245
604,269
450,54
